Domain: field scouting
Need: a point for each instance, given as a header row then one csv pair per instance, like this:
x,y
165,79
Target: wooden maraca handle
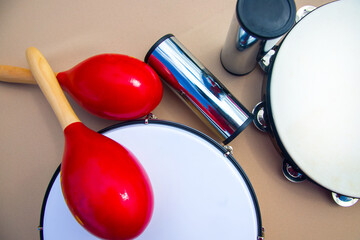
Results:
x,y
14,74
50,87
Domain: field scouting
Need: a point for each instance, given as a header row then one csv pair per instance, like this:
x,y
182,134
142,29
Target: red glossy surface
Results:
x,y
113,86
105,187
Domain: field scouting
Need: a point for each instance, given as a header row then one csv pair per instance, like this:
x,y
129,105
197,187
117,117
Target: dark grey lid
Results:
x,y
266,19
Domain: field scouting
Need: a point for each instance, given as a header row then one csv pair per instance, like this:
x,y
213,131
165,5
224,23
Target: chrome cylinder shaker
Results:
x,y
254,23
198,87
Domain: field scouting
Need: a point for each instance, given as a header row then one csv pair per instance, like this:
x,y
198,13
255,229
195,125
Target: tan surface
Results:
x,y
66,32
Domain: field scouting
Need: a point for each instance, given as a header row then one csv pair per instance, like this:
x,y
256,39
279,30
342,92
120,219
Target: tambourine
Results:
x,y
200,191
309,92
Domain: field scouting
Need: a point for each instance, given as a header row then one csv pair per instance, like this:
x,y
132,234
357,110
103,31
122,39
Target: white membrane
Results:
x,y
199,193
314,92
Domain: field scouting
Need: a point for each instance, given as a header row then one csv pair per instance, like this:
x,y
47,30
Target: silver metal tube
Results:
x,y
199,88
255,25
240,51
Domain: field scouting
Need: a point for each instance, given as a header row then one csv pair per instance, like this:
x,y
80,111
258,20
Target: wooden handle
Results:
x,y
50,87
14,74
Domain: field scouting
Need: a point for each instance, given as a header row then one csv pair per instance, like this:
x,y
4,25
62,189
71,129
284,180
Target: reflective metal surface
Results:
x,y
244,40
256,27
199,88
260,120
344,201
240,52
266,61
303,11
291,173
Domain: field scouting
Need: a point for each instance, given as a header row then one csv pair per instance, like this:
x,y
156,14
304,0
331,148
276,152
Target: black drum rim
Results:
x,y
176,125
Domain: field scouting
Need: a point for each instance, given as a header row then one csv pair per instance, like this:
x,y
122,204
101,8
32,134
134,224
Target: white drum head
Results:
x,y
313,90
199,193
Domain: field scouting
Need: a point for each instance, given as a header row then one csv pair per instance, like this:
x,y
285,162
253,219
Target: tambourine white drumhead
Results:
x,y
199,192
314,92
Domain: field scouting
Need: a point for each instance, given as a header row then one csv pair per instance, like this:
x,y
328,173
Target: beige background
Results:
x,y
69,31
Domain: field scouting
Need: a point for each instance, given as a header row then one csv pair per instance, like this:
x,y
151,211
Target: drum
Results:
x,y
309,95
200,191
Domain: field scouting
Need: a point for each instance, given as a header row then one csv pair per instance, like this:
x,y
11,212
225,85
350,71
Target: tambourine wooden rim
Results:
x,y
180,126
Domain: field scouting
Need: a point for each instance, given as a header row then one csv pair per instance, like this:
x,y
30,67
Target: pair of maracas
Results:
x,y
105,187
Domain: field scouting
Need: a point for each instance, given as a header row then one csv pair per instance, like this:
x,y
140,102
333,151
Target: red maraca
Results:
x,y
112,86
104,185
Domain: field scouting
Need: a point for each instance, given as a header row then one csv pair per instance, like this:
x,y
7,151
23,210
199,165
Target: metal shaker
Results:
x,y
255,23
198,87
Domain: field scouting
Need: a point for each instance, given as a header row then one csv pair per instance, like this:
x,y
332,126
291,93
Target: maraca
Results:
x,y
112,86
105,187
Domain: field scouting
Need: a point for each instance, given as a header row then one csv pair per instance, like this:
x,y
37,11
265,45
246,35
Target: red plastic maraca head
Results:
x,y
105,187
103,184
113,86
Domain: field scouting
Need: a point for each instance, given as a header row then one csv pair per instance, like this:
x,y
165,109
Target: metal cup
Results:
x,y
198,87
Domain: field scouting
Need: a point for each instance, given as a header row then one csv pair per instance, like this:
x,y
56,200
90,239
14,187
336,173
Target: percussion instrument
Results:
x,y
198,88
111,86
200,190
105,187
308,96
255,23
